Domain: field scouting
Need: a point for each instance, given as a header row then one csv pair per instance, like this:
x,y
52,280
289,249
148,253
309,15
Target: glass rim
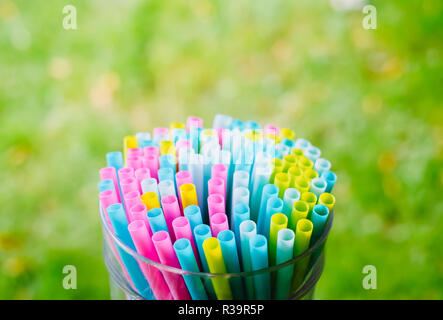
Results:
x,y
167,268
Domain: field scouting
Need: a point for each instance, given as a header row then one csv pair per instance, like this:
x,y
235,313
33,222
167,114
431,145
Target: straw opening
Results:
x,y
321,210
225,235
304,225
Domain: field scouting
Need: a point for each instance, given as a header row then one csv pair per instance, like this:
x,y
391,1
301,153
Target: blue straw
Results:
x,y
201,233
115,159
312,153
156,220
165,174
318,186
230,256
167,161
269,191
241,213
330,178
274,205
302,144
289,198
120,224
322,165
320,214
186,257
285,251
259,258
106,184
261,174
194,215
248,229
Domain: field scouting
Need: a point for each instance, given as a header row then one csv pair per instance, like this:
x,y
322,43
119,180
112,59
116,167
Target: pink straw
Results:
x,y
216,186
171,211
151,151
193,122
132,198
139,212
141,174
216,204
220,171
125,173
134,162
131,152
128,185
143,243
219,222
270,129
182,229
163,246
160,132
151,162
182,144
110,173
107,198
182,177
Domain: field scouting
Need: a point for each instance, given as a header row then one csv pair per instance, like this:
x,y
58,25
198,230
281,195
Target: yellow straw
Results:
x,y
310,174
301,184
287,133
277,166
294,172
289,160
328,200
129,142
150,200
167,147
188,195
300,210
311,199
304,163
278,221
297,153
216,264
281,180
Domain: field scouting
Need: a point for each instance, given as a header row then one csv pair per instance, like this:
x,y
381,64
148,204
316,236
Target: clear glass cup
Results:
x,y
303,281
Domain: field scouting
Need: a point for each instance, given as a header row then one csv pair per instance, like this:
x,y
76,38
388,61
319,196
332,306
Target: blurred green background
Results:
x,y
370,99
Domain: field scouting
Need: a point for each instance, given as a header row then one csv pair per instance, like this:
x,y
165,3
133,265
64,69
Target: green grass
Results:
x,y
370,99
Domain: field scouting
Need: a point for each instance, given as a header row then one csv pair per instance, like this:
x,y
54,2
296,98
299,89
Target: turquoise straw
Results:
x,y
186,257
259,258
289,198
318,186
320,214
274,205
248,229
115,159
330,178
156,220
285,251
120,224
322,165
230,256
260,177
194,215
241,213
201,233
106,184
167,161
269,191
165,174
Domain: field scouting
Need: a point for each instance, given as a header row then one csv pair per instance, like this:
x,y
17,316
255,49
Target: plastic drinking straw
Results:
x,y
194,215
134,162
278,221
248,229
216,204
120,225
310,174
181,178
322,165
259,259
287,133
125,173
139,212
281,180
140,175
319,216
115,159
289,143
141,136
163,246
289,198
128,142
167,161
285,248
165,174
219,222
312,153
214,257
318,186
183,158
297,153
301,184
331,179
171,211
282,150
135,152
274,205
301,244
107,184
302,144
150,185
151,162
150,200
277,166
222,121
160,134
187,260
294,173
128,185
107,198
260,178
166,188
310,199
220,171
216,186
240,195
111,173
269,191
167,147
300,210
228,246
196,169
201,233
241,213
240,179
209,156
289,160
182,229
131,198
188,194
144,246
328,200
151,151
157,220
270,129
305,163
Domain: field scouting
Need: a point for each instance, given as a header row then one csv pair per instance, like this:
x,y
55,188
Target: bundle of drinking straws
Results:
x,y
233,199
